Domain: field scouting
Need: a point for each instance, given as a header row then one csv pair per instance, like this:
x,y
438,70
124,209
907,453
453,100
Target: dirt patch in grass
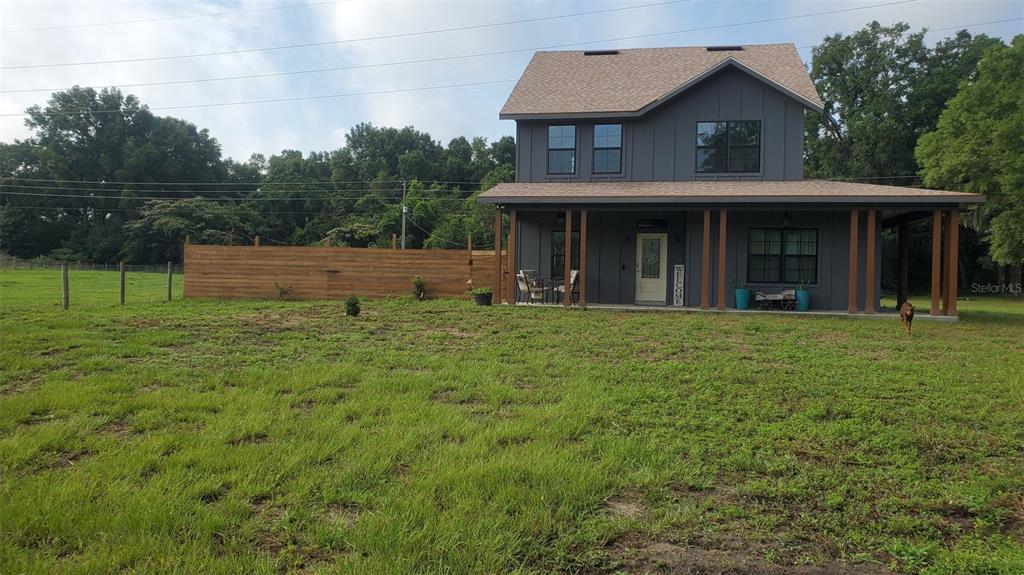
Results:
x,y
120,428
67,459
343,513
249,438
214,495
626,505
729,556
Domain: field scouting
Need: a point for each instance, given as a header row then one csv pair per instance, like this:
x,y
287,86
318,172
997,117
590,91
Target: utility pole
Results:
x,y
405,210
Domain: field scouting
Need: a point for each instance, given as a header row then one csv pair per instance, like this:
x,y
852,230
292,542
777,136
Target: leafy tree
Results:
x,y
882,88
161,231
979,147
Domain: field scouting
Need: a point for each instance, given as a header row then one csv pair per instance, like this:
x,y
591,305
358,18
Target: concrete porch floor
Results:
x,y
886,314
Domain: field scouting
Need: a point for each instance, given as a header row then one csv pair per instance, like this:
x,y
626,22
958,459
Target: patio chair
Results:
x,y
574,293
529,288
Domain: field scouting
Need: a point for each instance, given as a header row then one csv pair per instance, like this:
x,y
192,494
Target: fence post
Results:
x,y
394,241
120,266
169,278
64,283
256,241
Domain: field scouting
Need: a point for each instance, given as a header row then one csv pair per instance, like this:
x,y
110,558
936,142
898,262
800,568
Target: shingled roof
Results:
x,y
631,81
718,192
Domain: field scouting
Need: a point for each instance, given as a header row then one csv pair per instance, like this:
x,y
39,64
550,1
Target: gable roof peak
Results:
x,y
632,80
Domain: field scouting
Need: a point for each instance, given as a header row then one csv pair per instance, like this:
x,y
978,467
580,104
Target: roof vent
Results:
x,y
600,52
724,48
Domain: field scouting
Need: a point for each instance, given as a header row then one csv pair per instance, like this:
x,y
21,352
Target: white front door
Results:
x,y
651,268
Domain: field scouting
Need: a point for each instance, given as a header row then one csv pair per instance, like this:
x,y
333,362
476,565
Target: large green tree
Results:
x,y
978,146
883,88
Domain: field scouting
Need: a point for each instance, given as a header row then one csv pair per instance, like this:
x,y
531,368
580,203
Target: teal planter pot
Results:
x,y
742,298
803,300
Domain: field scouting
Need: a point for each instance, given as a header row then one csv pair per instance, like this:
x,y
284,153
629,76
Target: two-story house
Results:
x,y
667,176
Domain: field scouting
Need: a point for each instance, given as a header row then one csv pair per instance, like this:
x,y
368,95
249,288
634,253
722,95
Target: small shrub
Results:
x,y
283,291
352,306
479,291
419,288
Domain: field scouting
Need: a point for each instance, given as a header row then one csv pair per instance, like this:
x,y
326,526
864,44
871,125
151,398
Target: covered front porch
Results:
x,y
695,258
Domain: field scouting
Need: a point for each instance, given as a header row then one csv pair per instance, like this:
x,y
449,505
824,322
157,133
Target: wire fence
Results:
x,y
26,284
9,263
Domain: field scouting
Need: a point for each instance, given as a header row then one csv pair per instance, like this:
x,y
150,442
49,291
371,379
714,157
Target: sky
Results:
x,y
35,33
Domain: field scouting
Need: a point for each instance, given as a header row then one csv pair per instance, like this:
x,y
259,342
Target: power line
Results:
x,y
226,198
343,41
167,18
274,100
223,191
261,182
398,63
301,98
127,210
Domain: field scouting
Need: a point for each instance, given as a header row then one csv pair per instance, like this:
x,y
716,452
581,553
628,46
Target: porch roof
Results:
x,y
689,192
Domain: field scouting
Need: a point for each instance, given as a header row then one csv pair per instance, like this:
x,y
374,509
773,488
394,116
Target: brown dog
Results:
x,y
907,315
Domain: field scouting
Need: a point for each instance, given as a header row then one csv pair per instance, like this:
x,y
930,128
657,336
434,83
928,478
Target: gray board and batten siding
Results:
x,y
661,145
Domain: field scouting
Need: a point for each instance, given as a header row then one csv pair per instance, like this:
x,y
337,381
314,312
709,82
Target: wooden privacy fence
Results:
x,y
322,273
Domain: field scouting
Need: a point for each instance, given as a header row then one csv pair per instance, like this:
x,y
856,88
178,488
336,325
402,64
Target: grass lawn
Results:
x,y
267,437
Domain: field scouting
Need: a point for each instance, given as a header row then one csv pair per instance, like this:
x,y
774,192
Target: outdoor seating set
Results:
x,y
541,290
784,300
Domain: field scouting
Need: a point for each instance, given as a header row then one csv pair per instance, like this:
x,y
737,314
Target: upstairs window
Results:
x,y
607,148
783,256
561,149
729,147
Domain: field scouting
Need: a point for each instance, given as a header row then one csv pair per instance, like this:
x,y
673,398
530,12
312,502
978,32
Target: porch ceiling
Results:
x,y
690,192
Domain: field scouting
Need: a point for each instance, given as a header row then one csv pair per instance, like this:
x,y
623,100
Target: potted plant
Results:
x,y
742,296
481,296
803,297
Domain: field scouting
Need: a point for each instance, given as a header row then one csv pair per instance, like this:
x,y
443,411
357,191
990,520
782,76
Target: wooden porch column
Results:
x,y
583,259
705,264
903,267
511,265
869,272
722,216
936,260
851,290
952,255
567,281
497,254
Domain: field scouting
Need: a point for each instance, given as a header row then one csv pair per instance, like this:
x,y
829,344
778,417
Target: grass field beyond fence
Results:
x,y
203,436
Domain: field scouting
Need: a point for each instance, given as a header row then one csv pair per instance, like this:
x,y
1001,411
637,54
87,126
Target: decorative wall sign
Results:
x,y
677,285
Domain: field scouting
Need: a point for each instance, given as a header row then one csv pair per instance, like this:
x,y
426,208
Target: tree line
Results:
x,y
103,179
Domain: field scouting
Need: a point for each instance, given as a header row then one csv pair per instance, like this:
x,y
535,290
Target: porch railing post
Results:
x,y
936,260
851,305
869,270
511,251
705,264
722,217
567,280
952,239
583,259
497,255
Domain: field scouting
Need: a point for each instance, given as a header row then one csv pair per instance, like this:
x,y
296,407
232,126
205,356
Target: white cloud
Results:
x,y
445,113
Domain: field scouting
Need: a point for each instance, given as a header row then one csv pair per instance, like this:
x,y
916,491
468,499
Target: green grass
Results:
x,y
267,436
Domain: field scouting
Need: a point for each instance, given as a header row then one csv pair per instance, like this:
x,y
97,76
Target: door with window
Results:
x,y
651,268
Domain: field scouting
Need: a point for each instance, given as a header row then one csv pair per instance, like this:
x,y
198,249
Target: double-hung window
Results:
x,y
561,149
787,256
729,147
607,148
